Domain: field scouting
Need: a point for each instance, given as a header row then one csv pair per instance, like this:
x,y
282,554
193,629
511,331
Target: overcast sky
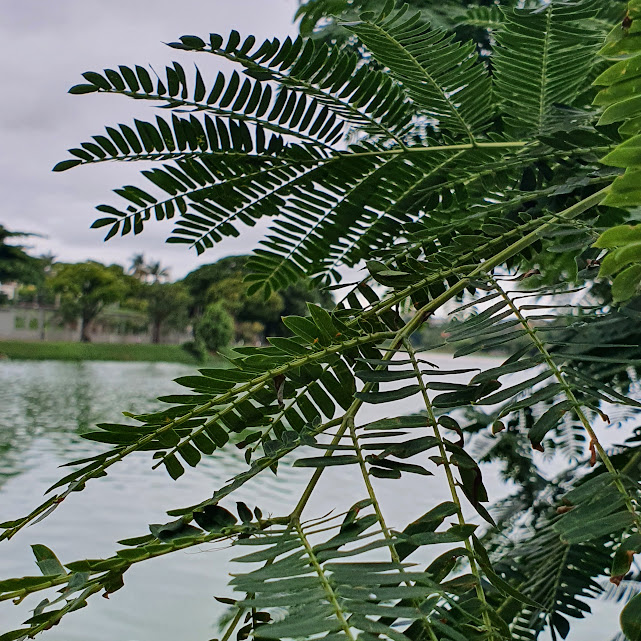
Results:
x,y
44,47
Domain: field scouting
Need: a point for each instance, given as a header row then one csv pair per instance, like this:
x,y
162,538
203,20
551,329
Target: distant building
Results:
x,y
10,290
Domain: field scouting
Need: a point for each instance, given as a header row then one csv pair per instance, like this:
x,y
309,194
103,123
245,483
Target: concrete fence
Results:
x,y
39,323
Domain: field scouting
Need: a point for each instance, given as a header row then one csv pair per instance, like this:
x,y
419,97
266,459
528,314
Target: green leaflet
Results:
x,y
454,534
548,421
598,527
397,423
383,376
470,395
507,368
600,511
385,473
307,330
324,461
557,60
394,468
409,49
623,556
323,321
47,561
386,397
623,259
407,449
214,518
631,619
508,393
620,97
627,283
288,346
619,236
169,531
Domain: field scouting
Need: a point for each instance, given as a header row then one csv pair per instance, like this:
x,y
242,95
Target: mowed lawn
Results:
x,y
27,350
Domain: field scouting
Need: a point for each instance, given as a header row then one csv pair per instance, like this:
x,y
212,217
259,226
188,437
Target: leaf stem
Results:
x,y
232,625
327,587
432,422
370,490
351,412
533,335
381,519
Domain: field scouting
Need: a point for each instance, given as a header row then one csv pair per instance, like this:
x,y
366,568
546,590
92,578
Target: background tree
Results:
x,y
224,282
167,307
15,263
157,272
202,278
143,271
85,289
138,266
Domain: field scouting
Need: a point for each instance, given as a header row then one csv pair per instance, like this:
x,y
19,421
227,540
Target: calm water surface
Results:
x,y
45,406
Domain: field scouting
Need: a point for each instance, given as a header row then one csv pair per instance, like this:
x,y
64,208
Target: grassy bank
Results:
x,y
23,350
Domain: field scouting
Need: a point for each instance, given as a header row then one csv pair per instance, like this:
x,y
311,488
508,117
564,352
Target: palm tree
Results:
x,y
138,268
157,272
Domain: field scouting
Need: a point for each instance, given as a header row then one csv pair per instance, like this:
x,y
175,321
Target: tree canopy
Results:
x,y
167,307
85,289
15,263
224,282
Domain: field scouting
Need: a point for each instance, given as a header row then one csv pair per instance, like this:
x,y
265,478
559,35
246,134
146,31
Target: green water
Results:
x,y
47,405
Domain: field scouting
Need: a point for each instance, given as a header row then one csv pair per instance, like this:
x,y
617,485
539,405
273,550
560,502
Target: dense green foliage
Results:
x,y
167,307
15,262
256,316
215,328
85,289
484,183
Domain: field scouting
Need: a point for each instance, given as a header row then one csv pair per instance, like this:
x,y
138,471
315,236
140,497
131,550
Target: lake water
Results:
x,y
44,408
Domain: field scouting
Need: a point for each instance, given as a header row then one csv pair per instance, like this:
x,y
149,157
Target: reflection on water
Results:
x,y
47,405
58,401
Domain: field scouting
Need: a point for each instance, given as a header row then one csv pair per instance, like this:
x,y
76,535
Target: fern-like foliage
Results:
x,y
532,79
559,565
463,178
443,78
249,150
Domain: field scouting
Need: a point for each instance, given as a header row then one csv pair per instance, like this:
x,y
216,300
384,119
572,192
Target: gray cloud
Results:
x,y
44,47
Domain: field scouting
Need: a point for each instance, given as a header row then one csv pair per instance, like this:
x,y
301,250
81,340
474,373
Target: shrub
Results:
x,y
196,349
215,328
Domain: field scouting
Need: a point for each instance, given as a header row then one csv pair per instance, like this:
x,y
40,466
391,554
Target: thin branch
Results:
x,y
432,422
326,585
576,406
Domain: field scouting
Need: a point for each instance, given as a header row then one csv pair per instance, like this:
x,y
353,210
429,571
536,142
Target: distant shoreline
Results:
x,y
59,351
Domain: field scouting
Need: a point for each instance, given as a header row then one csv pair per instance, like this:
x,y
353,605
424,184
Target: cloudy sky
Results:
x,y
44,47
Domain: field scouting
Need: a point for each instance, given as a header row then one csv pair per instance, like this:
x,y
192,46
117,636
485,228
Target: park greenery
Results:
x,y
487,169
127,352
82,291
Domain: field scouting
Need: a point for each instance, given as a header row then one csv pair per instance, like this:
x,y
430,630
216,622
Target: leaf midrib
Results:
x,y
546,51
422,71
